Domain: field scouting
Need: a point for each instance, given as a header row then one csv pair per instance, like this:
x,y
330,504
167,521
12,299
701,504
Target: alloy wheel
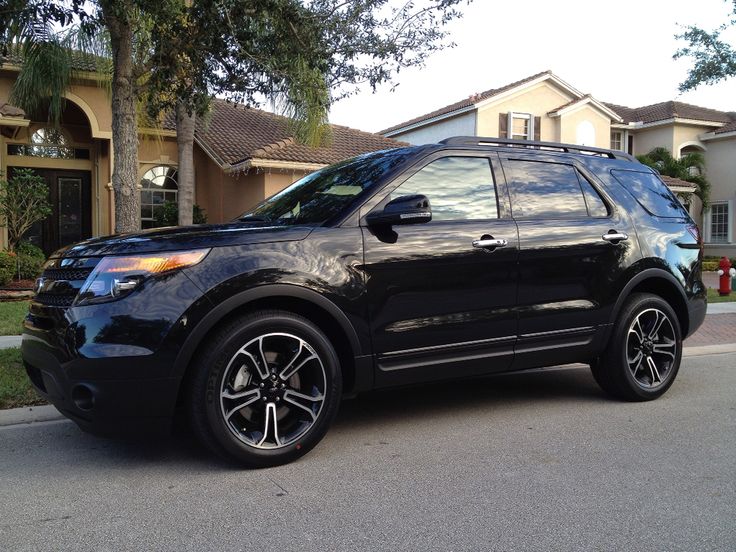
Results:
x,y
651,348
273,390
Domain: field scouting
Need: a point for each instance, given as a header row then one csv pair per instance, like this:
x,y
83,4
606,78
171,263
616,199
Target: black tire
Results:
x,y
640,361
219,385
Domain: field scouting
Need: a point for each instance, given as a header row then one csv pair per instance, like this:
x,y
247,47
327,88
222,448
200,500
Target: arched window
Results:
x,y
585,134
159,187
46,142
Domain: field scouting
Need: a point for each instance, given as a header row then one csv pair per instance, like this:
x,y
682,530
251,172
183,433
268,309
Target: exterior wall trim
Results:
x,y
713,136
690,143
91,117
273,164
582,103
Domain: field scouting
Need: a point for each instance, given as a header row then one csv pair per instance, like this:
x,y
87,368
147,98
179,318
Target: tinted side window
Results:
x,y
596,205
544,190
650,192
458,188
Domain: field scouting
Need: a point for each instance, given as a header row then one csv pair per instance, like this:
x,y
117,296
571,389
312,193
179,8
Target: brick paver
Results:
x,y
717,329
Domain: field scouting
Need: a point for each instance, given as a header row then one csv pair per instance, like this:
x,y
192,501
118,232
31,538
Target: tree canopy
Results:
x,y
714,59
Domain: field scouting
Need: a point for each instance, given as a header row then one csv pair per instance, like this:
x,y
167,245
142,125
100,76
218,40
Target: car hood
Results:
x,y
184,237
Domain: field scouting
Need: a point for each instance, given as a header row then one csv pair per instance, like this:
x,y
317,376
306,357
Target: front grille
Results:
x,y
56,300
69,274
62,280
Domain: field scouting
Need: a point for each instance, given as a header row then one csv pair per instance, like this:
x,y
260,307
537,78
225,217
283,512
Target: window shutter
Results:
x,y
503,123
537,128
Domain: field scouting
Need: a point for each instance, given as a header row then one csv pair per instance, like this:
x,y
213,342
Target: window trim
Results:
x,y
708,222
142,189
519,115
620,139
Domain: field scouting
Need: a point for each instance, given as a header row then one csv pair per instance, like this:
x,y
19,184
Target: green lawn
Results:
x,y
713,296
12,314
15,389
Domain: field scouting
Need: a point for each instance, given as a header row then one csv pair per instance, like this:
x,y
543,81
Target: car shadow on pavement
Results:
x,y
501,395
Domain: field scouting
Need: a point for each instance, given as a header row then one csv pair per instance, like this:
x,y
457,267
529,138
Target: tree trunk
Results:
x,y
118,14
185,124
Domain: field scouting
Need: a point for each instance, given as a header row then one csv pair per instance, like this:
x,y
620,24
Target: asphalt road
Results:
x,y
536,461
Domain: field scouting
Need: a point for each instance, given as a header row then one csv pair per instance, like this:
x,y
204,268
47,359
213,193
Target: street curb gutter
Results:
x,y
48,413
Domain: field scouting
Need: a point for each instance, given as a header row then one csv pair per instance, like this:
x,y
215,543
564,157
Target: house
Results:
x,y
544,107
241,156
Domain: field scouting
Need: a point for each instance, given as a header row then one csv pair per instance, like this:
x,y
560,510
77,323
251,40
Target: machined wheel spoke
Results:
x,y
636,360
290,371
288,398
244,398
659,319
667,348
263,359
653,370
271,424
293,360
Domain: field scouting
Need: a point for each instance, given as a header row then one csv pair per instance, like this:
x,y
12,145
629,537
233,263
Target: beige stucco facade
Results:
x,y
87,127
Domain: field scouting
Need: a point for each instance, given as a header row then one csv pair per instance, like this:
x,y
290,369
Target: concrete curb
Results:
x,y
721,308
10,341
48,413
29,415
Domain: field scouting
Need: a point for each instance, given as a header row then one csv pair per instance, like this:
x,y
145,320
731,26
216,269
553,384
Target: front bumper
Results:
x,y
111,404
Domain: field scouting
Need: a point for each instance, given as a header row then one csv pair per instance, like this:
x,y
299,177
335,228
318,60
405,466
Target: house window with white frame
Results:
x,y
719,223
617,140
521,126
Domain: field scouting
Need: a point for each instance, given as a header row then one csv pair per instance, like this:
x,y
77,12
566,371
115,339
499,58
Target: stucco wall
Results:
x,y
646,140
569,123
537,101
461,125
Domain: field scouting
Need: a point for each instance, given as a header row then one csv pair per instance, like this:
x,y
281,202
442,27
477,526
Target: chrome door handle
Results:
x,y
615,237
490,242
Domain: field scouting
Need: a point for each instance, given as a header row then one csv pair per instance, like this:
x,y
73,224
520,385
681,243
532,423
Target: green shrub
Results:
x,y
168,214
27,248
8,267
710,266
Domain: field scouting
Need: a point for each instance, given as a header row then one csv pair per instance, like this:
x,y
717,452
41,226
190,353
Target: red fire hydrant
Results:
x,y
725,273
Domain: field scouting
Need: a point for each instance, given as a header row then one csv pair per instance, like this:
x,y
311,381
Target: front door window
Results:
x,y
70,210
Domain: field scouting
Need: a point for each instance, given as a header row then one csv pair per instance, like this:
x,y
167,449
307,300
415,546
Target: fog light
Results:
x,y
83,397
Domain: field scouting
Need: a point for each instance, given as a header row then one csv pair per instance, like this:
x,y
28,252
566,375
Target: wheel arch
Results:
x,y
661,283
307,303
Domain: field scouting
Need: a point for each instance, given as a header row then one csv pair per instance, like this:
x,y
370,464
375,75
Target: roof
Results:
x,y
585,100
81,61
670,110
7,110
234,134
678,185
465,103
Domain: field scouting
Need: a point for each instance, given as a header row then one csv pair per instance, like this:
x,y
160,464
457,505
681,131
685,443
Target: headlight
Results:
x,y
116,277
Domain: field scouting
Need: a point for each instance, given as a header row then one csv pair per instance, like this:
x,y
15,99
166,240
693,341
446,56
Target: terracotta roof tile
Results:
x,y
235,134
669,110
81,61
7,110
467,102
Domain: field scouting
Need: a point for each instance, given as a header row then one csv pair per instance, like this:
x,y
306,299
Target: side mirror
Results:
x,y
408,209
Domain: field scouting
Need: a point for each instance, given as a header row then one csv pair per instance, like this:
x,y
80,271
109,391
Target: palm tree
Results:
x,y
690,168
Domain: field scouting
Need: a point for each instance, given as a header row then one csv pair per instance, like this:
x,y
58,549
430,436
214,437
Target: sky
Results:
x,y
619,52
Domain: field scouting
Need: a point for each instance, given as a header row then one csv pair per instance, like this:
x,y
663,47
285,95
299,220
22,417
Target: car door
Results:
x,y
573,245
441,305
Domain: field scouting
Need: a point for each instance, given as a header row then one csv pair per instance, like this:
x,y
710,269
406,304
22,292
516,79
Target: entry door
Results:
x,y
439,305
70,220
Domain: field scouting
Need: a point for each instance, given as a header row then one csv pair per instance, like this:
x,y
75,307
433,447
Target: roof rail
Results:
x,y
551,146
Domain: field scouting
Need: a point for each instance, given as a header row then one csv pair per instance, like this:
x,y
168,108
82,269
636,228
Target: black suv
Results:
x,y
472,256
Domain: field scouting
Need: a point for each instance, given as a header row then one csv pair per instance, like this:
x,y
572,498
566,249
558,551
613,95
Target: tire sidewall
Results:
x,y
636,307
218,363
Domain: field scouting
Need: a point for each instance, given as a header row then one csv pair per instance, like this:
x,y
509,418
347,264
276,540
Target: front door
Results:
x,y
71,216
441,306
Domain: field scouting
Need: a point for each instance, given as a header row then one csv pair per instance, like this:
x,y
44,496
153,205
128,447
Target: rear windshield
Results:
x,y
651,193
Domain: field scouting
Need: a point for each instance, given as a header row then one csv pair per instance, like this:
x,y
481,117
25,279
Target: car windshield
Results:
x,y
323,194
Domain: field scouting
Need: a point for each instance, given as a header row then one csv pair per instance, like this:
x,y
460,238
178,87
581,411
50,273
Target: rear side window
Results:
x,y
458,188
650,192
544,190
596,205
